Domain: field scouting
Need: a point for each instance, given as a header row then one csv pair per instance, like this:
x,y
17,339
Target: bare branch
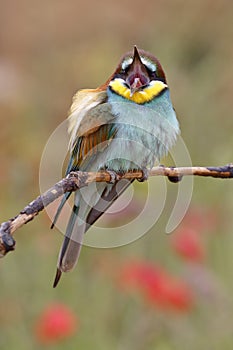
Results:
x,y
77,180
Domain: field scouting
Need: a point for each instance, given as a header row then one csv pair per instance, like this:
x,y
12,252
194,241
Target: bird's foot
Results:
x,y
113,176
145,175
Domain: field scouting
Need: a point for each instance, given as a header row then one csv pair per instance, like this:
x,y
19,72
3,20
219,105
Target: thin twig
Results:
x,y
77,180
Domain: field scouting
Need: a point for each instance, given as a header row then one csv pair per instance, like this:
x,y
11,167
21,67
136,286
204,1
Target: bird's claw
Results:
x,y
145,175
113,176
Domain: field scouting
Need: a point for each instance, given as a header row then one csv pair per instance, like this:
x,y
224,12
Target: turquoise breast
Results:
x,y
144,133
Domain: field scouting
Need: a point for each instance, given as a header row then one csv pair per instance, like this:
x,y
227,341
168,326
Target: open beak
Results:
x,y
137,75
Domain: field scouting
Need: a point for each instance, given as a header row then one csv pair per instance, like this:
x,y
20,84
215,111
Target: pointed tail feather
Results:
x,y
71,246
57,278
76,227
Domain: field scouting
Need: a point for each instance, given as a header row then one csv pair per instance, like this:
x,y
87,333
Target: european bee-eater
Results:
x,y
126,124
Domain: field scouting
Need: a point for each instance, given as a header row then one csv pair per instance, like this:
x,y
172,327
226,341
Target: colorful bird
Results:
x,y
126,124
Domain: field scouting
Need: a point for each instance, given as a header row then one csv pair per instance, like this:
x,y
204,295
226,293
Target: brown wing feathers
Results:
x,y
91,143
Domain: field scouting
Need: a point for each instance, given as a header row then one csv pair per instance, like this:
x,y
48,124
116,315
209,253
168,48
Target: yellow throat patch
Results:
x,y
142,96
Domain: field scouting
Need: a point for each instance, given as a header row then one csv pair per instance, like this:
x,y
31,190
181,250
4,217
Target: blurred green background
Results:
x,y
48,50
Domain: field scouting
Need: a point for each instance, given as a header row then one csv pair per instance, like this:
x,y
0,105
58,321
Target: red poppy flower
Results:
x,y
55,323
188,244
156,285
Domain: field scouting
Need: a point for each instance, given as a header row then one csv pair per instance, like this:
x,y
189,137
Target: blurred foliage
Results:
x,y
48,50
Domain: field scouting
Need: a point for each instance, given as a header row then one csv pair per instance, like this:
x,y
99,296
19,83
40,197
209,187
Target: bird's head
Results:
x,y
139,77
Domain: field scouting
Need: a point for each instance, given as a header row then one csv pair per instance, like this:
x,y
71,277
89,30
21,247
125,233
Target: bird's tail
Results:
x,y
83,216
71,246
